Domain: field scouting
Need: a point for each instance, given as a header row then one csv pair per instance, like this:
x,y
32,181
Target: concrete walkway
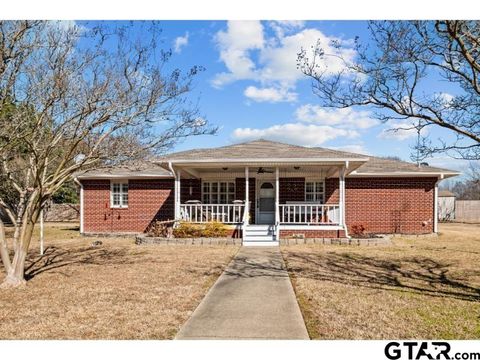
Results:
x,y
252,299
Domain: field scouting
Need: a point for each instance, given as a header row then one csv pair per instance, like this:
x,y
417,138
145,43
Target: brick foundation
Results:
x,y
310,234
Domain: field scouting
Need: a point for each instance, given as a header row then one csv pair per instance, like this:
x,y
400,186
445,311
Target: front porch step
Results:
x,y
259,234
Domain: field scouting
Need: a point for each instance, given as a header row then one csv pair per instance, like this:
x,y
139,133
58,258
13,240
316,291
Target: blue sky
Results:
x,y
251,87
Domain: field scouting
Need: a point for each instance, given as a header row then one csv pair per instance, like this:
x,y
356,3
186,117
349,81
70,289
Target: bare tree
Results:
x,y
73,97
392,73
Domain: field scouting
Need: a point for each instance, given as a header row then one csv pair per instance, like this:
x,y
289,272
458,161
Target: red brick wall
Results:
x,y
380,205
292,189
147,200
387,205
195,185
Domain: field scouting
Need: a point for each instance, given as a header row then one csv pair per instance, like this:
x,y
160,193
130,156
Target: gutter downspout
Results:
x,y
435,204
76,181
345,228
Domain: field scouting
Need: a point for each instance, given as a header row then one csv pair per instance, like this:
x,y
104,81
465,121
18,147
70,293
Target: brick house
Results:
x,y
292,191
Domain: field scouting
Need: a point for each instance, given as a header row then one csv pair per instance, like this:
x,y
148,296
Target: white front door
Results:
x,y
266,202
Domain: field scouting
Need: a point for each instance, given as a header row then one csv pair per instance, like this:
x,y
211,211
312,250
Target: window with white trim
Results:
x,y
218,192
119,194
315,191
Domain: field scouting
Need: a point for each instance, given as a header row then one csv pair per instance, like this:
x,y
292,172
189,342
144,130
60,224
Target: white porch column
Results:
x,y
179,174
277,197
247,204
176,195
341,178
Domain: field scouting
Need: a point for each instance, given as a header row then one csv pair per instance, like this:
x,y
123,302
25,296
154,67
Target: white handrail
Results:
x,y
202,213
303,213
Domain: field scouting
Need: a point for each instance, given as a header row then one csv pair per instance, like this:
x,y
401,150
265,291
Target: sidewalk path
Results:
x,y
252,299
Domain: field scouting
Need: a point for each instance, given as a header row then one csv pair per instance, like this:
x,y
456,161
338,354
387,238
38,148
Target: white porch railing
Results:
x,y
202,213
303,213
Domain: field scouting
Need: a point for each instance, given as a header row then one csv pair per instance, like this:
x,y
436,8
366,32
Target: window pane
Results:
x,y
124,188
214,199
214,188
231,187
125,199
309,197
309,187
116,188
223,187
206,199
116,199
319,187
230,198
223,198
206,187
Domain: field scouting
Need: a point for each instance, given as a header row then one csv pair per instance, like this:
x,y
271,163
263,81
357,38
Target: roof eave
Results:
x,y
262,160
439,174
121,176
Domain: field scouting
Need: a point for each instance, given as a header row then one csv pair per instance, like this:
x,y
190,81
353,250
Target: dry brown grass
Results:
x,y
415,288
115,291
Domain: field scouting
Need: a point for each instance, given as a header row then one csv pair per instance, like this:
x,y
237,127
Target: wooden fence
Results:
x,y
467,210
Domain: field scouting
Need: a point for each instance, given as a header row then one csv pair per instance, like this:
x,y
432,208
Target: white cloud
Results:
x,y
279,63
295,133
401,130
235,44
282,27
270,94
180,42
347,118
249,54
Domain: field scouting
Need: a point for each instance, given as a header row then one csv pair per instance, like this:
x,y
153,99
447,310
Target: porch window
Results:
x,y
315,191
119,194
218,192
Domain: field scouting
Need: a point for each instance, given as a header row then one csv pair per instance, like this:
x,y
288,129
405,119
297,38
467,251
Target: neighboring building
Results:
x,y
265,190
446,205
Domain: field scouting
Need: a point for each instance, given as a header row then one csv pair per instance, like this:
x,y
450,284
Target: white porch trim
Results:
x,y
310,227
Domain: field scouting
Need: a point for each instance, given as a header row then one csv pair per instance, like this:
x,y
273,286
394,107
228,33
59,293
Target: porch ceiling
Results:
x,y
263,170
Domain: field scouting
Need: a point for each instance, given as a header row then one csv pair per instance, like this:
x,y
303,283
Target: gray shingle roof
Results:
x,y
263,149
260,149
381,165
143,169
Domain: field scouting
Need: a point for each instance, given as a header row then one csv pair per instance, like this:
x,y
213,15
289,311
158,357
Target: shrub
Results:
x,y
214,229
189,230
358,230
160,229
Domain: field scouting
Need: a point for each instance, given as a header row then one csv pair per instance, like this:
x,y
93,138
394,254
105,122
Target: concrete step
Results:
x,y
259,232
258,238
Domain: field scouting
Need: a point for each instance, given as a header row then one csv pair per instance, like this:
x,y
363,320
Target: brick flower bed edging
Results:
x,y
148,240
338,241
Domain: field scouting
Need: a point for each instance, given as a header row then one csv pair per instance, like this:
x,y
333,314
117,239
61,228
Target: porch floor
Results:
x,y
252,299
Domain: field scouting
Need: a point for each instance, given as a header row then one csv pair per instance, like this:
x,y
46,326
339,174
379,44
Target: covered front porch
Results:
x,y
263,198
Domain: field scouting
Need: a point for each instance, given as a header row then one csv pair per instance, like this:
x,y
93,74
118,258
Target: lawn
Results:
x,y
118,290
414,288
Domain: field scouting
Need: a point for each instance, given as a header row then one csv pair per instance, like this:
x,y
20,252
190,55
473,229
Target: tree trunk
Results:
x,y
16,274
